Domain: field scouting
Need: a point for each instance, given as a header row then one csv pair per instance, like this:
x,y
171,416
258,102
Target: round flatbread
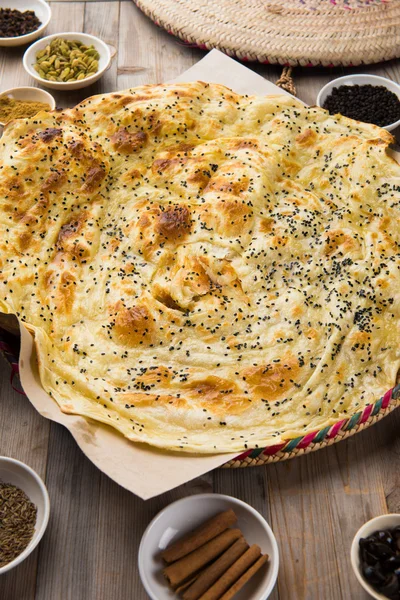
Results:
x,y
201,270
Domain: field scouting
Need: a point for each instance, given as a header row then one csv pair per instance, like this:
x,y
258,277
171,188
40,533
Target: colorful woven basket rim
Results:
x,y
296,32
330,432
289,449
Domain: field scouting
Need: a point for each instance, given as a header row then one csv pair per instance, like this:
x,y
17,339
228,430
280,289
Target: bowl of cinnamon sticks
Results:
x,y
208,547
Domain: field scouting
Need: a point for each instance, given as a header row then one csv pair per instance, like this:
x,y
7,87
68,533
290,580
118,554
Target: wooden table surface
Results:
x,y
315,503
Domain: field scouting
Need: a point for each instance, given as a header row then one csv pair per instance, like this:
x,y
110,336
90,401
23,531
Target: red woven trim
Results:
x,y
307,439
367,413
270,450
387,398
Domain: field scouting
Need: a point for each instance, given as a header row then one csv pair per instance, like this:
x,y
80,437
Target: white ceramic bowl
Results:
x,y
43,13
32,94
19,474
101,47
376,524
184,515
360,80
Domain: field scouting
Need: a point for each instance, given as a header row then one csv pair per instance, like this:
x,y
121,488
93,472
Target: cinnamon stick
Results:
x,y
226,581
184,586
181,570
210,575
179,590
204,533
245,577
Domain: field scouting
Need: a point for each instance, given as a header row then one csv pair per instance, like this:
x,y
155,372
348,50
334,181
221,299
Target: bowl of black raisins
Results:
x,y
375,557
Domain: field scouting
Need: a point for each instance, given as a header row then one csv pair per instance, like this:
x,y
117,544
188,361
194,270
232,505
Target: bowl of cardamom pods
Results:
x,y
24,512
67,61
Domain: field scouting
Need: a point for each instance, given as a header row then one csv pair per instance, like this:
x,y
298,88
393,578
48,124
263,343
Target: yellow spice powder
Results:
x,y
18,109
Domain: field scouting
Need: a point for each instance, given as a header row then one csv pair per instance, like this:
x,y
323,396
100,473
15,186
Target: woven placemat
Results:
x,y
371,414
294,32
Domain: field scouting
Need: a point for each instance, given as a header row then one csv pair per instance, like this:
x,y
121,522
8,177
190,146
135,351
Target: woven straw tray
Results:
x,y
224,70
294,32
343,429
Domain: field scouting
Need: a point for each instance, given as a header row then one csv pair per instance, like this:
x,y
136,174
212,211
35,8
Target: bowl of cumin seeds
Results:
x,y
24,512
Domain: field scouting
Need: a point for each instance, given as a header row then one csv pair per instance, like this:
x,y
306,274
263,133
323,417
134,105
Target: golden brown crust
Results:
x,y
174,221
203,271
132,326
123,141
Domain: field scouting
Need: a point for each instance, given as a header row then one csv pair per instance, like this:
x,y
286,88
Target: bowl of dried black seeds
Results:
x,y
22,21
24,512
366,98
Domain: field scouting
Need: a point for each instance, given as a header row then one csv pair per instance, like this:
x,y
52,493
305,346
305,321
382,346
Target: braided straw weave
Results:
x,y
371,414
310,442
293,32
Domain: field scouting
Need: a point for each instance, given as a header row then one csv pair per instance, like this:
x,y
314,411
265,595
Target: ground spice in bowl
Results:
x,y
368,103
19,109
14,23
17,522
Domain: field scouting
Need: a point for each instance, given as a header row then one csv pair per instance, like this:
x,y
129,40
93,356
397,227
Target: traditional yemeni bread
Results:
x,y
202,270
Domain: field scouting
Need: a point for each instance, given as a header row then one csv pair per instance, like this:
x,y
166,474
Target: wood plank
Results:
x,y
66,567
102,20
147,54
24,435
125,517
251,485
86,1
389,449
319,501
67,17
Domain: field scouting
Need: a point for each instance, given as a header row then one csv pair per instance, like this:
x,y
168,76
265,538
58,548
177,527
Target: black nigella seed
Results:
x,y
367,103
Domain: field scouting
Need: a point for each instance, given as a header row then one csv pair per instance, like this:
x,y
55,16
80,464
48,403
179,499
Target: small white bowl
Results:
x,y
185,515
19,474
43,13
360,80
104,62
32,94
376,524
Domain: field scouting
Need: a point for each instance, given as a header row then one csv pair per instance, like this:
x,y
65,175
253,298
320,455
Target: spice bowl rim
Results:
x,y
151,541
38,534
105,51
28,88
381,522
367,79
21,40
